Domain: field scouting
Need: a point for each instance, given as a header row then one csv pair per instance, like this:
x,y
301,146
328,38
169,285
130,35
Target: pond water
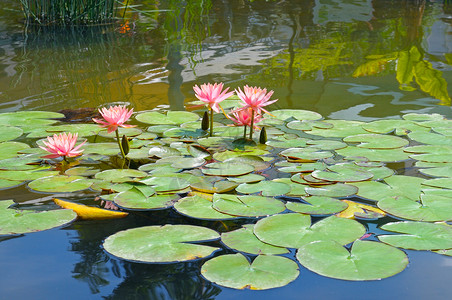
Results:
x,y
343,59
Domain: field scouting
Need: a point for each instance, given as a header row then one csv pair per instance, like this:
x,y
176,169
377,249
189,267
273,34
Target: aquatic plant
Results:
x,y
303,190
71,12
62,145
212,95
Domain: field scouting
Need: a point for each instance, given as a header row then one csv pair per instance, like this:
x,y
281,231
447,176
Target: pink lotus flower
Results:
x,y
114,116
212,94
254,98
243,117
62,145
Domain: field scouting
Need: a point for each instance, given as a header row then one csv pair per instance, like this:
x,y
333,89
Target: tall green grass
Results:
x,y
72,12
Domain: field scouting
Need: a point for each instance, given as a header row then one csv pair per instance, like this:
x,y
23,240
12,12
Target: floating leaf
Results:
x,y
163,151
60,184
268,188
333,190
377,141
401,127
10,149
247,178
90,213
381,155
171,117
137,200
431,208
120,175
305,154
188,163
244,240
265,272
418,235
341,128
6,184
212,185
445,183
8,133
24,221
367,260
298,114
161,244
431,138
293,230
247,206
227,169
360,210
27,175
166,183
133,131
317,205
342,173
257,162
199,208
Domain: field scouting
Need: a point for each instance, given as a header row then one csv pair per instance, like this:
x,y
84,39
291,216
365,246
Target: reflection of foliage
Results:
x,y
160,282
410,66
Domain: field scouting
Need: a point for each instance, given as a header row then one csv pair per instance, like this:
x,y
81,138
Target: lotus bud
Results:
x,y
263,136
205,121
125,144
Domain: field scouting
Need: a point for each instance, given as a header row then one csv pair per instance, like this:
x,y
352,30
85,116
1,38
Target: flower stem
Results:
x,y
119,144
211,122
244,132
252,124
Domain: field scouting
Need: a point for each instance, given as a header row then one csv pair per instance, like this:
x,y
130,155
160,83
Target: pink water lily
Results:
x,y
212,94
62,145
243,117
254,98
114,117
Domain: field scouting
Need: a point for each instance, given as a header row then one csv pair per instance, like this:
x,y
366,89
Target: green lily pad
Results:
x,y
83,130
81,171
367,260
306,154
171,117
302,167
377,141
298,114
212,185
247,206
396,185
401,127
188,162
296,189
431,138
293,230
431,208
381,155
265,272
342,173
101,148
28,174
161,244
8,133
227,169
244,240
184,133
333,190
120,175
257,162
317,205
422,117
445,171
340,129
166,183
10,149
247,178
199,208
60,184
7,184
268,188
327,144
24,221
287,142
445,183
137,200
18,118
418,235
222,156
163,151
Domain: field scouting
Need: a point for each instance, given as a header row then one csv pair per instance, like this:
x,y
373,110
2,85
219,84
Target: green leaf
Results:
x,y
120,175
367,260
199,208
431,81
317,205
247,206
60,184
166,183
377,141
227,169
268,188
265,272
401,127
382,155
8,133
24,221
244,240
171,117
332,190
342,173
293,230
10,149
418,235
298,114
161,244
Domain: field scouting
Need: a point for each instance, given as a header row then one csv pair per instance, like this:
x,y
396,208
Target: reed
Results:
x,y
71,12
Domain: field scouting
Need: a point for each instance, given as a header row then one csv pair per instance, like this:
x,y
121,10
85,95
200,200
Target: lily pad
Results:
x,y
293,230
6,184
60,184
247,178
227,169
265,272
8,133
317,205
10,149
431,208
166,183
341,129
27,175
297,114
199,208
267,188
401,127
380,155
418,235
170,118
244,240
377,141
342,173
302,167
161,244
445,183
431,138
367,260
14,221
137,200
188,163
212,185
247,206
333,190
305,154
120,175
